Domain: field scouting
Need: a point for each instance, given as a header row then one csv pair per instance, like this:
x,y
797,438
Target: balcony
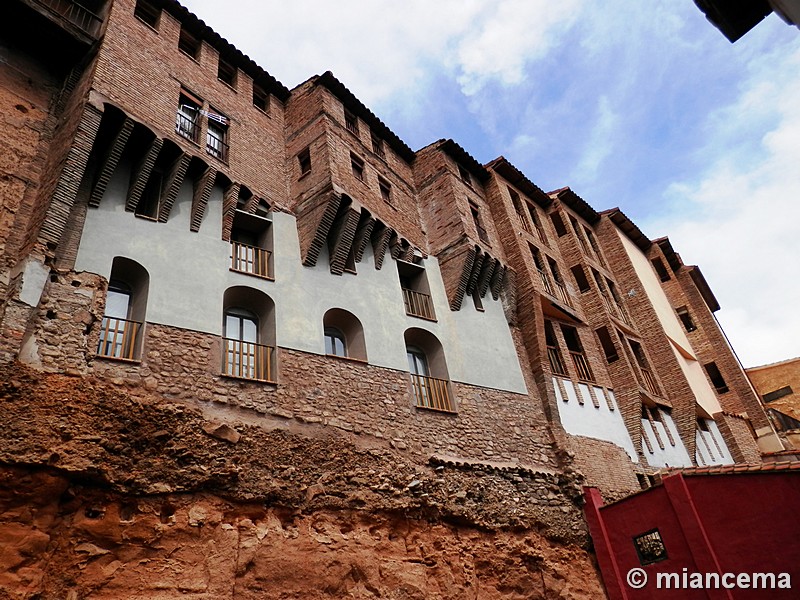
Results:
x,y
581,366
250,260
556,364
247,360
418,304
650,382
431,393
118,338
216,146
524,222
556,289
72,12
187,127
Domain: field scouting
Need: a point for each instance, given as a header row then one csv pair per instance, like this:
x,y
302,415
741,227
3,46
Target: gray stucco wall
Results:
x,y
189,273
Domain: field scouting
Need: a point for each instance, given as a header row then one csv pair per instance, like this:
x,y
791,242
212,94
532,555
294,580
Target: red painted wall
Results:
x,y
724,523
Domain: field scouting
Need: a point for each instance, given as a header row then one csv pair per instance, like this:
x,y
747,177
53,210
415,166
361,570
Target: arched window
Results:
x,y
428,371
248,334
344,335
335,343
126,301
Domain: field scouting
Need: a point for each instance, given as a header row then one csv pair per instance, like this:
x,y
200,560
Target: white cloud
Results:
x,y
740,219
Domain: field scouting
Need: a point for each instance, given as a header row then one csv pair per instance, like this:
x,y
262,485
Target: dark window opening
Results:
x,y
575,348
782,421
304,161
465,176
189,44
554,270
476,218
260,98
580,278
650,547
386,190
716,377
607,344
377,147
558,223
537,257
146,11
150,199
350,121
553,352
357,164
226,72
658,265
779,393
686,318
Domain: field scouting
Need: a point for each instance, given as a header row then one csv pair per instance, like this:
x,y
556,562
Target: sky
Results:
x,y
643,106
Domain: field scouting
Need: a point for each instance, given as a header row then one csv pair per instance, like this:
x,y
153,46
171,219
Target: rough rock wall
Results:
x,y
107,495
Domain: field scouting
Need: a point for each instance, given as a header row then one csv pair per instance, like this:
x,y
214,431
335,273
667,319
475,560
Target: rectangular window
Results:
x,y
187,121
575,348
147,12
686,318
386,189
579,235
350,121
779,393
658,265
217,135
377,147
304,161
580,278
553,353
716,377
650,547
357,164
537,222
189,44
607,344
226,72
476,218
465,176
260,98
558,223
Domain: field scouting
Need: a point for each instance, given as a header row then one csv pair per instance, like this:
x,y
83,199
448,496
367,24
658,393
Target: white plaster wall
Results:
x,y
707,452
602,423
189,273
673,327
670,456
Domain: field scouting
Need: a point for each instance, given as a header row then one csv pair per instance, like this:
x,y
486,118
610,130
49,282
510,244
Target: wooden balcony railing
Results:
x,y
649,381
247,360
251,260
523,221
418,304
118,338
78,15
562,293
555,288
540,233
581,366
556,364
187,127
430,392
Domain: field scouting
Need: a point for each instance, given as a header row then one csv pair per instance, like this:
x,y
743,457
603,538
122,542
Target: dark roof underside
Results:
x,y
516,178
465,159
672,257
704,288
629,228
734,18
577,204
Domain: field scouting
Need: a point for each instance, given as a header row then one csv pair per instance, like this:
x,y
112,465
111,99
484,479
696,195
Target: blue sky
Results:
x,y
640,105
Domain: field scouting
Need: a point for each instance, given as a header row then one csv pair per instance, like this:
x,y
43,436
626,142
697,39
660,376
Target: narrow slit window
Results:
x,y
357,164
304,161
226,72
385,189
260,98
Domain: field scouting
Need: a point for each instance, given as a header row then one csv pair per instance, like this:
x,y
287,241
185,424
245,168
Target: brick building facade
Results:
x,y
176,220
